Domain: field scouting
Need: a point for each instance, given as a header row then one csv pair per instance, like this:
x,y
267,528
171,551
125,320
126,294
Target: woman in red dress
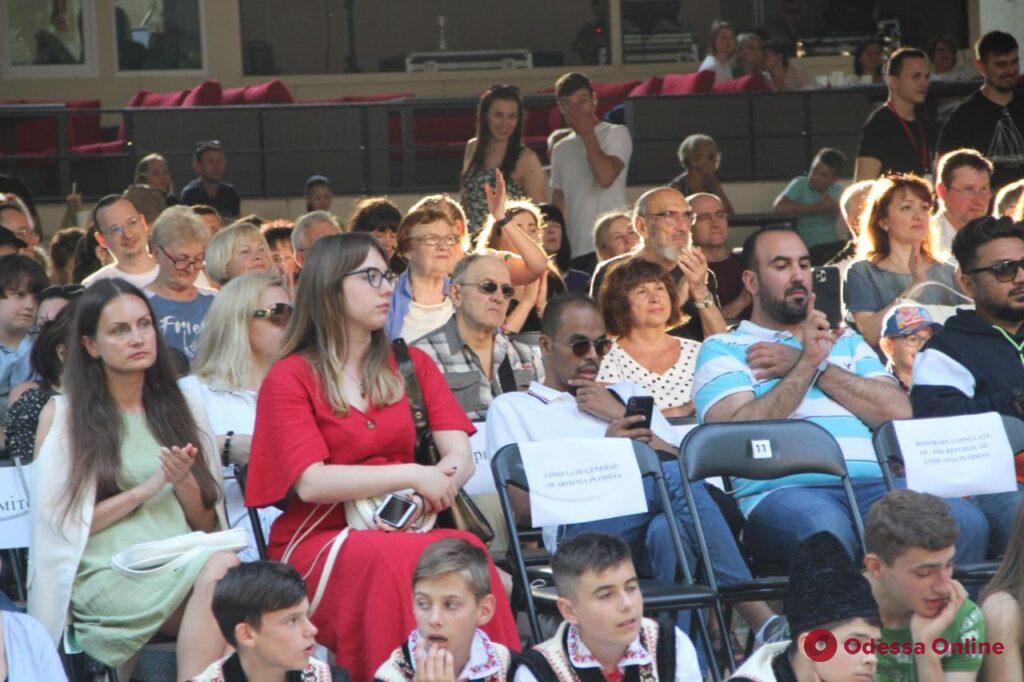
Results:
x,y
333,424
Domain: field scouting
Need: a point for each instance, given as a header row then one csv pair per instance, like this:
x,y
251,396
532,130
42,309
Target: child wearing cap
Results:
x,y
605,636
452,599
826,592
904,332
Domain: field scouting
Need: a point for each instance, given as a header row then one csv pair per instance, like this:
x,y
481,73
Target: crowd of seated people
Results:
x,y
163,375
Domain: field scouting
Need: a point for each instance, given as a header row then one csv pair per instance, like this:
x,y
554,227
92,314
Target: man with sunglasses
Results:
x,y
664,218
477,360
569,403
975,363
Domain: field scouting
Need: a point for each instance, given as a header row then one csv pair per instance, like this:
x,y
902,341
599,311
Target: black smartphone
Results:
x,y
396,511
827,294
640,405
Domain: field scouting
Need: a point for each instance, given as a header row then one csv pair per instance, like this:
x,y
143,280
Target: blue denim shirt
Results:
x,y
400,299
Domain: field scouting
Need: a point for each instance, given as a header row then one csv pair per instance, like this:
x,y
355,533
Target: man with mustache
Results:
x,y
664,218
973,364
785,363
571,404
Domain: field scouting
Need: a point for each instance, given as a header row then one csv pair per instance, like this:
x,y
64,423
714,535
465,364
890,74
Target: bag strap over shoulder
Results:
x,y
412,386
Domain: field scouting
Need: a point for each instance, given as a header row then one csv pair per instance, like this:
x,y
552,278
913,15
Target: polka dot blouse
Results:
x,y
670,389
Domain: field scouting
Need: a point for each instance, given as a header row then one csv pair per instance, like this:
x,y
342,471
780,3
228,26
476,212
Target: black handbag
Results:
x,y
463,514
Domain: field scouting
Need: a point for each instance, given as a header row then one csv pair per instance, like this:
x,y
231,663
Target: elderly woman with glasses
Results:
x,y
236,250
420,303
242,338
640,303
179,241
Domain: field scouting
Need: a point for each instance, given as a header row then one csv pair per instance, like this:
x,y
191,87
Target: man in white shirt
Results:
x,y
588,168
123,231
570,403
964,189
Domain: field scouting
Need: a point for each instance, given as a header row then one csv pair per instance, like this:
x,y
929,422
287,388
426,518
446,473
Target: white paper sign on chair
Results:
x,y
575,480
14,506
957,456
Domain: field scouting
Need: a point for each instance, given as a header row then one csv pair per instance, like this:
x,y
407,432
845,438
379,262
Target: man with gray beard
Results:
x,y
664,220
785,363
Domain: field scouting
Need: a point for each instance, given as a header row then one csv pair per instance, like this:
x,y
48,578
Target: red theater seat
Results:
x,y
749,83
687,83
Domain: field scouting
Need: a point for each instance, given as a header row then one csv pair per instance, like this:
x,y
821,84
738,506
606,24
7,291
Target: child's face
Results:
x,y
919,579
844,666
17,311
821,177
607,606
448,614
285,639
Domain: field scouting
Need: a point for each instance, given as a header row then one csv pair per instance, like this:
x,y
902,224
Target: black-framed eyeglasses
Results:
x,y
278,314
490,287
1004,270
581,347
374,276
67,291
184,263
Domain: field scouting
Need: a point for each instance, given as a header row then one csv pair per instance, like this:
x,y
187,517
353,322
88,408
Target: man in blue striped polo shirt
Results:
x,y
785,363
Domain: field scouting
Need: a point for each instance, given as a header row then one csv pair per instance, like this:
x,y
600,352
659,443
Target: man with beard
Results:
x,y
973,364
664,218
785,363
571,404
992,119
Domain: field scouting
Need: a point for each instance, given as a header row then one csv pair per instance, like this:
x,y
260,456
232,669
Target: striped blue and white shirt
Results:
x,y
722,370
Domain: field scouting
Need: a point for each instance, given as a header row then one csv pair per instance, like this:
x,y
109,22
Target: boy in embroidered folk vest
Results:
x,y
262,610
451,600
605,636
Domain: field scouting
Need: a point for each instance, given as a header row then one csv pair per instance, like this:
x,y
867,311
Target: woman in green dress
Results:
x,y
124,458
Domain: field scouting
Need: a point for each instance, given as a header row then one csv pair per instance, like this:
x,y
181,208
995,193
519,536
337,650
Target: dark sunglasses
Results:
x,y
67,291
489,288
581,347
1004,270
278,314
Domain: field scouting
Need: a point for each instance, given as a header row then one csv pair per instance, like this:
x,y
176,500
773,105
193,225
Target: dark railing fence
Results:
x,y
404,145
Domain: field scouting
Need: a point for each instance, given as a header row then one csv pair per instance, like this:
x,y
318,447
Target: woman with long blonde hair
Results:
x,y
333,425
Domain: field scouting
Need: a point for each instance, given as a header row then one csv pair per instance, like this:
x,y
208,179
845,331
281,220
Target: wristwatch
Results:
x,y
708,302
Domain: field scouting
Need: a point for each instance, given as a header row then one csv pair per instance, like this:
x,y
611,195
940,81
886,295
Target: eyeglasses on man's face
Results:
x,y
490,287
1004,270
121,229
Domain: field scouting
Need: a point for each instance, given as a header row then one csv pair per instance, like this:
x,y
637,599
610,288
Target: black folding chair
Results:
x,y
760,450
659,596
254,516
890,457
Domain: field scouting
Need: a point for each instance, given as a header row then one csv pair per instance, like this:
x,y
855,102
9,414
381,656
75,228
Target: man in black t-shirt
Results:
x,y
209,189
896,138
992,119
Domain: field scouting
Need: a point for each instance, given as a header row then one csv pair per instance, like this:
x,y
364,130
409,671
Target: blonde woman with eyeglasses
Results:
x,y
179,241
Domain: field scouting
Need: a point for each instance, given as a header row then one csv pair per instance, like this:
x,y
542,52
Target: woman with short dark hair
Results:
x,y
640,304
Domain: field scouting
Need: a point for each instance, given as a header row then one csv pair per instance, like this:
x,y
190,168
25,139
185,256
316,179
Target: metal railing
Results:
x,y
413,145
